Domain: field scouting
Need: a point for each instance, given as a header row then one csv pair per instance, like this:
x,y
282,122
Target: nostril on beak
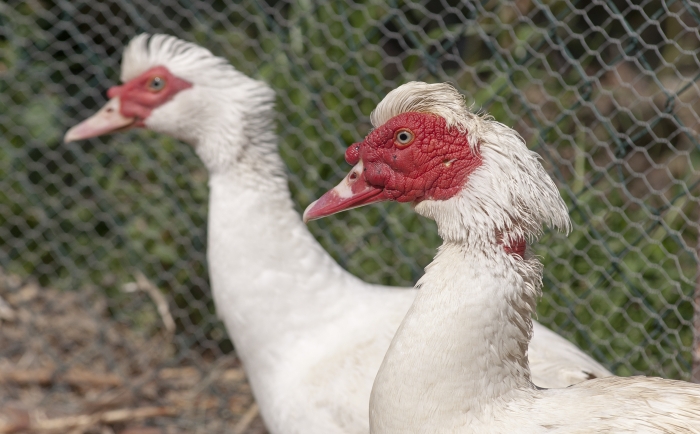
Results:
x,y
353,176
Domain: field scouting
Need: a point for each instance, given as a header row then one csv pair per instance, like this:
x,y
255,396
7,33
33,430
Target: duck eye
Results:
x,y
403,137
156,83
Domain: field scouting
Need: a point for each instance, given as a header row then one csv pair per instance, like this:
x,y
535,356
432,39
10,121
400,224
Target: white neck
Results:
x,y
463,343
238,134
270,278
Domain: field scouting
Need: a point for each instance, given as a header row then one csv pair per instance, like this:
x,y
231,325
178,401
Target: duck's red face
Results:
x,y
140,95
412,157
130,104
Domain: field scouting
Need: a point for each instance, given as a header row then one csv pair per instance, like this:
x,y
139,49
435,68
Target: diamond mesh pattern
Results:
x,y
606,91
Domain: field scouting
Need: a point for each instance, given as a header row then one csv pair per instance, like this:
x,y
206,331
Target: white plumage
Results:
x,y
459,361
311,336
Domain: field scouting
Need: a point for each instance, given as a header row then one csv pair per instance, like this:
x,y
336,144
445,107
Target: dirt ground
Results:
x,y
66,366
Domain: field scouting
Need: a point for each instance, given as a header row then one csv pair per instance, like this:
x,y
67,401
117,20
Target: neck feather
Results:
x,y
239,135
463,343
264,264
269,276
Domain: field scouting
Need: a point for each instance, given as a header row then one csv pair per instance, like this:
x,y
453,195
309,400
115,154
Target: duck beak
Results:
x,y
352,192
108,120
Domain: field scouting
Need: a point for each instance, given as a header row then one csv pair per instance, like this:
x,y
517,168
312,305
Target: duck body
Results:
x,y
310,356
460,360
481,386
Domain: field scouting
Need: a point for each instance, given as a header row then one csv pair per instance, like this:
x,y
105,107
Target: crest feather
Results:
x,y
441,99
184,59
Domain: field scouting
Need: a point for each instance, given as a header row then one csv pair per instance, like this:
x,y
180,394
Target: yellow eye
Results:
x,y
403,137
156,83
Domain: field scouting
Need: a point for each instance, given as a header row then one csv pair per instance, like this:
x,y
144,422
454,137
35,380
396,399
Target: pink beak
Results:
x,y
108,120
352,192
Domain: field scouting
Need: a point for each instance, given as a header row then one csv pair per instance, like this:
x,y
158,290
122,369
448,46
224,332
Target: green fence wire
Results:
x,y
606,91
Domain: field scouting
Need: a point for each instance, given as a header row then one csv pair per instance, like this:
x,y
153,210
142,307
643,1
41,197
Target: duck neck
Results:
x,y
270,278
239,137
463,343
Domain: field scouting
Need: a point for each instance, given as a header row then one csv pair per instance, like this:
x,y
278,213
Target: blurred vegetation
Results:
x,y
606,93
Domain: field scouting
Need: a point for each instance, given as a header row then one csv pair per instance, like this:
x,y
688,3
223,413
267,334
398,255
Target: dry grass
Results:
x,y
67,366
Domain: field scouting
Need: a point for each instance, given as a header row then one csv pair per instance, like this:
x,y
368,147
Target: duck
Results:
x,y
310,335
459,362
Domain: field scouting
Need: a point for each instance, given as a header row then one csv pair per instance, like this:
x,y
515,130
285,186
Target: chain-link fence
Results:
x,y
605,91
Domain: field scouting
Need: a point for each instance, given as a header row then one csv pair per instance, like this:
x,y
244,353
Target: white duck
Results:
x,y
310,335
459,360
